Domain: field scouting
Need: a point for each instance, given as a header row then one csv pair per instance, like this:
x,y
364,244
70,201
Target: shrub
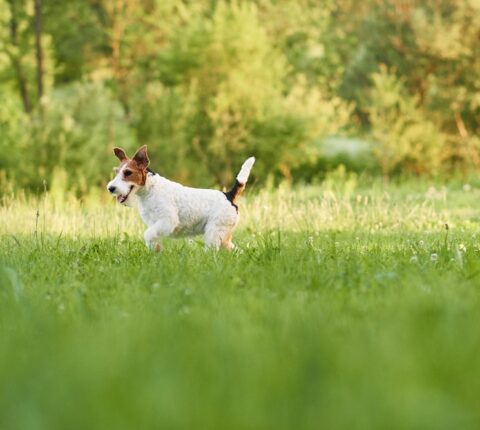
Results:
x,y
15,144
230,100
404,137
74,129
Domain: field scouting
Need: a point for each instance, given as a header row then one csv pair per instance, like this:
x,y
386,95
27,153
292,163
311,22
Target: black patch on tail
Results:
x,y
232,194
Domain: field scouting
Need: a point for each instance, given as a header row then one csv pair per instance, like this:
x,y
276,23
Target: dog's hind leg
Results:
x,y
227,242
219,236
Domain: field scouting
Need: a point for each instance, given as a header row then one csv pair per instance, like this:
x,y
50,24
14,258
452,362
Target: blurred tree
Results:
x,y
405,138
207,83
242,101
78,29
434,47
14,48
28,49
38,47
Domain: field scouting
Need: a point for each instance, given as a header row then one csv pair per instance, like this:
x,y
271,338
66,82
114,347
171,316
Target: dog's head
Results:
x,y
131,174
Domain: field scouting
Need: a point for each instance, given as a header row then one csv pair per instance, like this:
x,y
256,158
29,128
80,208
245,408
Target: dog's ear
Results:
x,y
120,153
141,157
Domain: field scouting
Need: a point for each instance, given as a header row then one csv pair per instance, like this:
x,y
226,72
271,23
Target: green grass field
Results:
x,y
349,307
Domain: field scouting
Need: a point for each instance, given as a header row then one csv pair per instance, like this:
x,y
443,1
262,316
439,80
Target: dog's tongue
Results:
x,y
121,198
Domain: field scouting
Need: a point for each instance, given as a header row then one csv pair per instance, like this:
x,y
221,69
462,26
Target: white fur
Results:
x,y
171,209
122,187
244,173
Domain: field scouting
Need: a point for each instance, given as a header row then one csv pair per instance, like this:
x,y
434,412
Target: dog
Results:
x,y
170,209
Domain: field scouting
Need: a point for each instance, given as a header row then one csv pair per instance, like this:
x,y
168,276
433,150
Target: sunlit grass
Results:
x,y
347,306
337,205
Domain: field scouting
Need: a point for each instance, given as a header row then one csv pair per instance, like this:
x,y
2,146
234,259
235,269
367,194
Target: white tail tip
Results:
x,y
244,173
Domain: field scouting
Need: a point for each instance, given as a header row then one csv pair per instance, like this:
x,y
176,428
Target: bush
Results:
x,y
74,130
404,137
13,136
230,100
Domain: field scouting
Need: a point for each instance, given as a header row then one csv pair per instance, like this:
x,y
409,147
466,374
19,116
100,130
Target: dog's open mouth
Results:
x,y
123,198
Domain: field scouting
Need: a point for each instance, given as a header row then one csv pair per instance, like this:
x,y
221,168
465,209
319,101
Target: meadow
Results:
x,y
351,304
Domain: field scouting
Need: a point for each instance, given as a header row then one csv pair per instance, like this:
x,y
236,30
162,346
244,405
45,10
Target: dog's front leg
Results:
x,y
154,233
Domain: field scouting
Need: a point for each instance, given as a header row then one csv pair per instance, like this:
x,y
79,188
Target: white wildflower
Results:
x,y
459,257
184,310
434,257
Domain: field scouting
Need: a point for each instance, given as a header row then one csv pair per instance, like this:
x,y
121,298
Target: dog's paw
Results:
x,y
153,245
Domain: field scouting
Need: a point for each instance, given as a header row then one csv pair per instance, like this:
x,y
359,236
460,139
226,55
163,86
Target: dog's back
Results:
x,y
191,209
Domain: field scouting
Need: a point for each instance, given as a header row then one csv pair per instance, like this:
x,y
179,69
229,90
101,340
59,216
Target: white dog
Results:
x,y
171,209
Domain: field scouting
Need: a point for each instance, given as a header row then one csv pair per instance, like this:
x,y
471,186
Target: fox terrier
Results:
x,y
171,209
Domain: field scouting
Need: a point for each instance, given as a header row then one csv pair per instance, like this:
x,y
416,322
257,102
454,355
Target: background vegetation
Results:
x,y
351,302
206,83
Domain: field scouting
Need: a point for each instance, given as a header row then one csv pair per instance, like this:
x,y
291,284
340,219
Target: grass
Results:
x,y
349,307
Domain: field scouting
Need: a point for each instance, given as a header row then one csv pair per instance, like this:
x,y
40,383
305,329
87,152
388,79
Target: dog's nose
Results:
x,y
111,188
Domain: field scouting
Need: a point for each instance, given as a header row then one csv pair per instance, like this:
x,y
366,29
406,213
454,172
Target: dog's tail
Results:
x,y
241,180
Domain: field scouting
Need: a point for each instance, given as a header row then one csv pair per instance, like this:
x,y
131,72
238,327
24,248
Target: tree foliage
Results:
x,y
207,83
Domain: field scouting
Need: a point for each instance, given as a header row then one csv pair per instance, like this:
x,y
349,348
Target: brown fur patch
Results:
x,y
135,169
227,241
141,157
134,173
120,154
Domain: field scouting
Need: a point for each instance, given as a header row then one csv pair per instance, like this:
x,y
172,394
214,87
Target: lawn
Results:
x,y
349,306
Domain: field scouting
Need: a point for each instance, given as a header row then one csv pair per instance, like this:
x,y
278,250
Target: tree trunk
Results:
x,y
38,47
16,59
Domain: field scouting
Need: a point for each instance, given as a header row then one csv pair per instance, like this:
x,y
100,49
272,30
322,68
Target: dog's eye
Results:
x,y
127,173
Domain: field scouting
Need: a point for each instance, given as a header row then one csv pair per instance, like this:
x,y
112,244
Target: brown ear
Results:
x,y
141,157
120,153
